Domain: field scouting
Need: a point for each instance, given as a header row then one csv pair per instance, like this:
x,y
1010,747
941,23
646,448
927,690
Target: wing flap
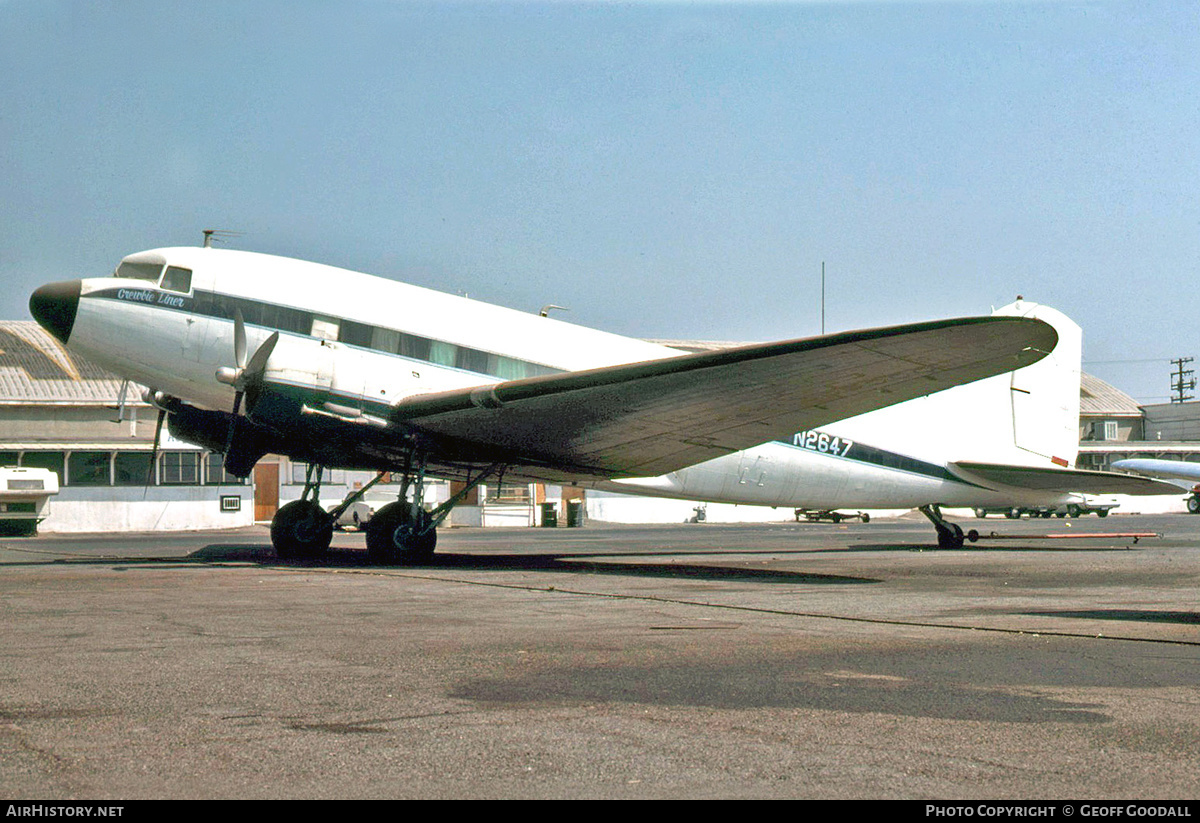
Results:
x,y
650,418
1081,481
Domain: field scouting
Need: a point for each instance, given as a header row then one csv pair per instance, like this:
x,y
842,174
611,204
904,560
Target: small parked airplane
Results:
x,y
249,354
1181,473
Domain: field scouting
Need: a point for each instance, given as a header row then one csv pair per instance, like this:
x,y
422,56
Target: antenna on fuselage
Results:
x,y
216,234
545,312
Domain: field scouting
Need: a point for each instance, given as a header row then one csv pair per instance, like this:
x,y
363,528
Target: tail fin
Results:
x,y
1045,396
1029,417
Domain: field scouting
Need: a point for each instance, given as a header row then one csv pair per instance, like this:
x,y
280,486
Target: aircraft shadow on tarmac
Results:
x,y
547,562
1125,615
980,547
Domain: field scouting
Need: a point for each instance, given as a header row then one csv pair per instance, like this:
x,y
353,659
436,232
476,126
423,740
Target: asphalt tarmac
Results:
x,y
793,660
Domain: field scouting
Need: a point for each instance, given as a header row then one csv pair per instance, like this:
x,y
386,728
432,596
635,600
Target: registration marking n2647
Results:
x,y
823,442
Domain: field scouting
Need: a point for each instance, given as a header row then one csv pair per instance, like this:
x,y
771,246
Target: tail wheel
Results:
x,y
1193,504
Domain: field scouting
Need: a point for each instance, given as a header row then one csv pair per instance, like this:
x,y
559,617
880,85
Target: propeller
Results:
x,y
162,415
245,373
160,401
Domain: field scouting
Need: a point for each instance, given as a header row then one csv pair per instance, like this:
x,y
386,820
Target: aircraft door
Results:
x,y
347,380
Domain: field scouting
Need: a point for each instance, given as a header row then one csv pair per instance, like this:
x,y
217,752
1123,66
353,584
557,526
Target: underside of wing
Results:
x,y
653,417
1080,481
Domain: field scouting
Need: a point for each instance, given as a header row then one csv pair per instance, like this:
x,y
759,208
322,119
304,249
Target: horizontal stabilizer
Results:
x,y
657,416
1080,481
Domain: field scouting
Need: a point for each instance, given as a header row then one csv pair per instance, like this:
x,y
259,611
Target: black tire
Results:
x,y
392,539
1193,505
301,530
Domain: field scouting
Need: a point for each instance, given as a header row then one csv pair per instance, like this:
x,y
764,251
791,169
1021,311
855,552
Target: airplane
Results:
x,y
250,354
1181,473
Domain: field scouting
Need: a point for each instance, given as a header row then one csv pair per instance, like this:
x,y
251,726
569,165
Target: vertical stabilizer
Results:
x,y
1045,396
1029,417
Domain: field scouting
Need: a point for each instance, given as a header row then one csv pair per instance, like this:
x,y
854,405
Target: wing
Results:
x,y
1068,481
650,418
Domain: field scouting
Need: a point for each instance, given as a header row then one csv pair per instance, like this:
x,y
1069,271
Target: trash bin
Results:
x,y
549,516
574,513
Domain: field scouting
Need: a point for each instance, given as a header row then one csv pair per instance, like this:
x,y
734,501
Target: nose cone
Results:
x,y
54,306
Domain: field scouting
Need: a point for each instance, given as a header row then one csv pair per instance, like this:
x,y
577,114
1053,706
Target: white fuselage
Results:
x,y
370,343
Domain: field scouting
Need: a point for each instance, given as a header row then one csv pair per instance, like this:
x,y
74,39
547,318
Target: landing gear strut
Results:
x,y
302,530
404,532
950,535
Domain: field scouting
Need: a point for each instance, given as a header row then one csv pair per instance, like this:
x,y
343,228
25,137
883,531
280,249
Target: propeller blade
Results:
x,y
162,414
258,363
239,339
237,404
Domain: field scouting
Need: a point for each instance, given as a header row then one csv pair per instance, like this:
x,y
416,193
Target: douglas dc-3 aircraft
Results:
x,y
249,354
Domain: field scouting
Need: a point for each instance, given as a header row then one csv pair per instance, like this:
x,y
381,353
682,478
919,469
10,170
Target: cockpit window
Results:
x,y
139,271
177,279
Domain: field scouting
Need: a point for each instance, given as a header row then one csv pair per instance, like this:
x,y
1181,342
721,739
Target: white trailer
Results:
x,y
25,498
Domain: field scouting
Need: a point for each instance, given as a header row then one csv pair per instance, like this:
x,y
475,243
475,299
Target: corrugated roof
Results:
x,y
36,368
1099,398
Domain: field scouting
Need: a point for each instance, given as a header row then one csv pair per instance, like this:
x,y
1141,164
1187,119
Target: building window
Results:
x,y
54,461
89,469
180,468
215,474
1110,429
509,493
132,469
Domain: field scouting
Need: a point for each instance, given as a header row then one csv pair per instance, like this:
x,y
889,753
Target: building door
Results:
x,y
266,490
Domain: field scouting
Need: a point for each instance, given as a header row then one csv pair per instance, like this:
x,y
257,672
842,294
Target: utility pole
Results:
x,y
1182,380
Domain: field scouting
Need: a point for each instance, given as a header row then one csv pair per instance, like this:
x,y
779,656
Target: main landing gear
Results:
x,y
402,532
301,530
405,532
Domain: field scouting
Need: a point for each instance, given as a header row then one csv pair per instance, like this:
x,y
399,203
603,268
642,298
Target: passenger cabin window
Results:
x,y
139,271
325,328
177,279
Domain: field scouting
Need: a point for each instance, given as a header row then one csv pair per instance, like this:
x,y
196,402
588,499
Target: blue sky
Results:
x,y
663,169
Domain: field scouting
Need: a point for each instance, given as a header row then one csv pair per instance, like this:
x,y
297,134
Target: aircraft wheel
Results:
x,y
1193,504
301,529
950,536
392,538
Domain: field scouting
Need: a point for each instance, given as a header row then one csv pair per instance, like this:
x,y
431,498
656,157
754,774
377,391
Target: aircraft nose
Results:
x,y
54,306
